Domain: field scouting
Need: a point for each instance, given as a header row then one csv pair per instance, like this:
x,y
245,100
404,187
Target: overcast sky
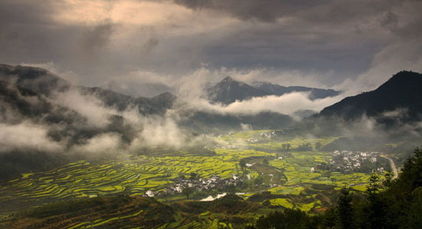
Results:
x,y
127,44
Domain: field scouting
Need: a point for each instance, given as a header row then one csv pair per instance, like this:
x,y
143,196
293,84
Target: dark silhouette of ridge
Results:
x,y
402,93
229,90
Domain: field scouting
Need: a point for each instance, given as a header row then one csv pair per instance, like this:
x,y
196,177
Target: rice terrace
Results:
x,y
264,167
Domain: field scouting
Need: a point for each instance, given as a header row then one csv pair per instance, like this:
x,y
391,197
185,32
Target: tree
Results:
x,y
288,219
411,174
388,179
377,208
414,217
405,196
187,191
374,185
345,210
242,164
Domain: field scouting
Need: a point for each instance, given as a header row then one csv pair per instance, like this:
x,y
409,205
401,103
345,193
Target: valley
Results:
x,y
219,114
264,167
161,162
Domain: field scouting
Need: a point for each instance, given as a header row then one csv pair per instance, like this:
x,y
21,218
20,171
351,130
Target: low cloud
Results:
x,y
159,131
152,130
27,136
108,143
287,104
284,104
88,106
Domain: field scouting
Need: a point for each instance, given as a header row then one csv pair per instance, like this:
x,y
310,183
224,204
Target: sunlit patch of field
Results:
x,y
281,202
291,176
287,190
300,168
134,176
304,179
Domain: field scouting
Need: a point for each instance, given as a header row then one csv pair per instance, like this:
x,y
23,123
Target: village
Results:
x,y
355,161
194,183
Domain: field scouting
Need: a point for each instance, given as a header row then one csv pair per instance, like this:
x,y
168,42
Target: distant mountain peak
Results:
x,y
402,79
24,72
35,79
23,69
166,96
230,90
405,73
227,79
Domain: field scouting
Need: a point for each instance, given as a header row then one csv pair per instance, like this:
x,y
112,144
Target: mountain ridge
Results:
x,y
403,91
230,90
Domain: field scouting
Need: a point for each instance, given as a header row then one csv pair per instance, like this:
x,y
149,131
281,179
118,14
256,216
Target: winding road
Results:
x,y
392,165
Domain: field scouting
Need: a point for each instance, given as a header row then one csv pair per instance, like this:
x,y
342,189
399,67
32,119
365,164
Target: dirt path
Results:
x,y
392,165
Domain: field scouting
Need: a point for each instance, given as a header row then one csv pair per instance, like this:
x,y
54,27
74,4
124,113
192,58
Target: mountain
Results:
x,y
314,93
34,79
24,96
29,99
153,105
398,98
29,94
40,82
229,90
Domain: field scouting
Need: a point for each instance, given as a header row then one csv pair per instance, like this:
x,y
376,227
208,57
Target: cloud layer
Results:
x,y
349,44
26,136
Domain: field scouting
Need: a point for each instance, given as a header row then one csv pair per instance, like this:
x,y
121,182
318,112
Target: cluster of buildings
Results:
x,y
268,135
197,183
252,140
354,161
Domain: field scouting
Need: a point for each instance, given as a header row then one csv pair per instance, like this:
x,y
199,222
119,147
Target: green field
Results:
x,y
287,176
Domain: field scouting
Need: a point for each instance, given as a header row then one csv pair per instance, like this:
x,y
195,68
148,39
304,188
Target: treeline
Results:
x,y
387,204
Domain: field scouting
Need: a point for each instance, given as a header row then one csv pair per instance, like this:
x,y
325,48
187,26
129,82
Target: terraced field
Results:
x,y
289,177
133,176
306,188
304,182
